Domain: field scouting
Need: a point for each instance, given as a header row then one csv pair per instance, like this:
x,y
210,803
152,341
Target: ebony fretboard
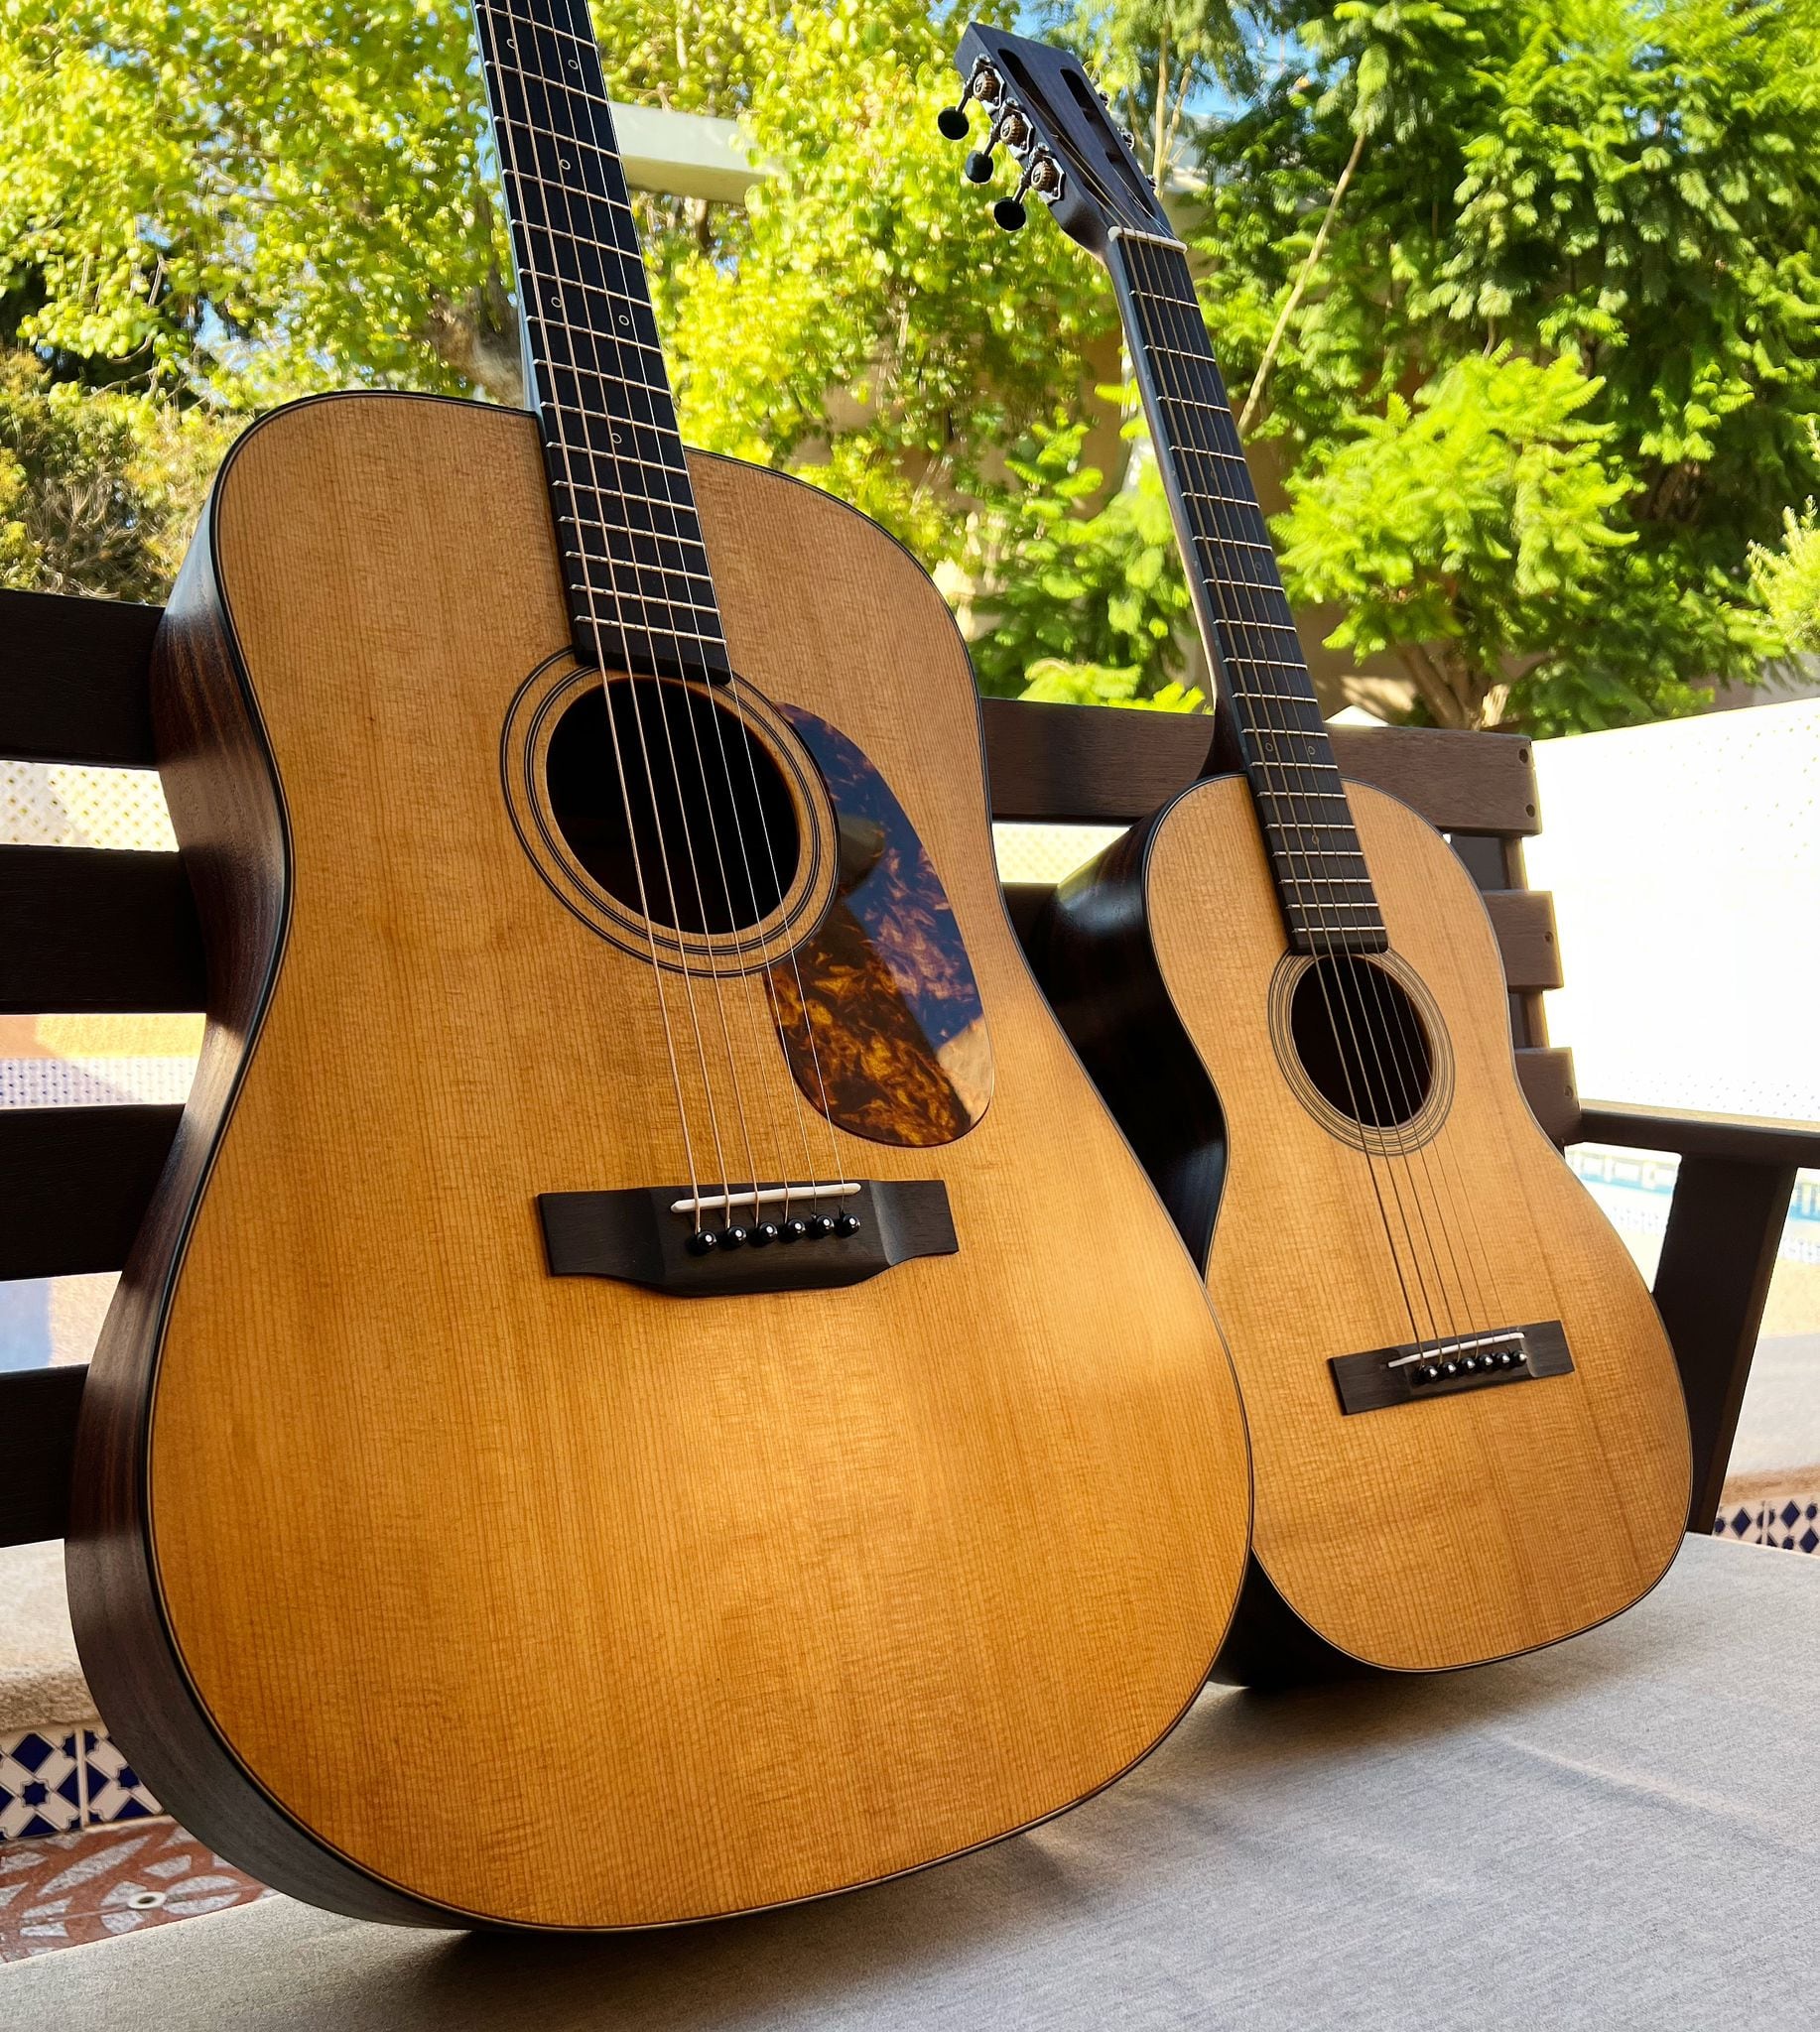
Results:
x,y
634,568
1326,892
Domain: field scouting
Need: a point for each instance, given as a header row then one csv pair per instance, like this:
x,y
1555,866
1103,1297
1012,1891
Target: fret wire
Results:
x,y
661,600
525,21
1250,611
631,586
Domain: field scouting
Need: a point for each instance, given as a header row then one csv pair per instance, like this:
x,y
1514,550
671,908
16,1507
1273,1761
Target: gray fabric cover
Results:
x,y
1621,1831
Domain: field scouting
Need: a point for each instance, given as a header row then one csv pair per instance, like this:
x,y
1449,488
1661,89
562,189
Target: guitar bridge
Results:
x,y
1449,1363
641,1235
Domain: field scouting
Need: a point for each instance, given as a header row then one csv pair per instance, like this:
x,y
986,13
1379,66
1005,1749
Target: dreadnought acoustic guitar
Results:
x,y
627,1408
1467,1426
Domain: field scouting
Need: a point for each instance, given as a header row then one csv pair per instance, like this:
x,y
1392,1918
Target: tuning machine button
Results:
x,y
1043,174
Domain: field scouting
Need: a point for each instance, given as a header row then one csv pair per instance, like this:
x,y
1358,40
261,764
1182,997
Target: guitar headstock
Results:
x,y
1042,107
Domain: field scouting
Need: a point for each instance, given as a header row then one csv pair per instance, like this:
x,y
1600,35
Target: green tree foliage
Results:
x,y
226,202
1633,187
1788,579
99,489
866,326
1089,605
1476,536
251,196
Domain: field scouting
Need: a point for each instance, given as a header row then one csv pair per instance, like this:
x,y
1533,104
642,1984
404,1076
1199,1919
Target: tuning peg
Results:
x,y
1010,128
1009,212
985,85
1045,176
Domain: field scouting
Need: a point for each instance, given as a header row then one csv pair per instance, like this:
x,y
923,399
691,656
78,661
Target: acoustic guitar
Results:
x,y
624,1409
1467,1426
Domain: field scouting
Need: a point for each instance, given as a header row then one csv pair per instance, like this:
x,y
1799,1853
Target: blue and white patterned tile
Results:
x,y
114,1789
41,1785
1791,1522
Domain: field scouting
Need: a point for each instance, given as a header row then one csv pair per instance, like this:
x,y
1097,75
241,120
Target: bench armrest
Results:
x,y
1745,1139
1724,1226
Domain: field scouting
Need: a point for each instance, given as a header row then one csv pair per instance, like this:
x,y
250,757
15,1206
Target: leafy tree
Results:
x,y
240,204
251,198
1088,605
1475,535
99,489
1636,187
868,328
1788,579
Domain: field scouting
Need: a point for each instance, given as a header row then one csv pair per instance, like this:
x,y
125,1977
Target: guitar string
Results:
x,y
803,1009
1324,933
669,690
798,1105
1140,258
1250,601
503,122
1250,614
1375,1011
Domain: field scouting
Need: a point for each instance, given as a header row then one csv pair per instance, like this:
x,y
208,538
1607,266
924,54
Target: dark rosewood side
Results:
x,y
1098,963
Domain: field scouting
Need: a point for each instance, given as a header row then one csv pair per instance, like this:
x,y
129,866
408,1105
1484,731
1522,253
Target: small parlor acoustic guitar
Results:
x,y
1467,1425
620,1413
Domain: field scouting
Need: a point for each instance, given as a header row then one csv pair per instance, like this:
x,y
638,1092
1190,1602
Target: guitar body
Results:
x,y
1423,1534
435,1586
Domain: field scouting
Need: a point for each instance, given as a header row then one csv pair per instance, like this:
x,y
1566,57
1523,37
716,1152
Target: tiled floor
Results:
x,y
66,1890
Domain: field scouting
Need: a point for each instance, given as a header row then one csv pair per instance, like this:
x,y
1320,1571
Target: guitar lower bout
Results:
x,y
1445,1352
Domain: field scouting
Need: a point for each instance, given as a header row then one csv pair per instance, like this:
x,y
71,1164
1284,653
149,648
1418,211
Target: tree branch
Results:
x,y
1301,283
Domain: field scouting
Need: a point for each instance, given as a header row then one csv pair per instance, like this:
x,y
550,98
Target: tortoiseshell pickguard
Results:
x,y
901,1052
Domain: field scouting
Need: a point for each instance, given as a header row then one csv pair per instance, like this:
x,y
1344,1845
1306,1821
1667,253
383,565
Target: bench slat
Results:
x,y
73,690
89,930
72,680
1524,921
1101,765
74,1183
38,1414
1546,1074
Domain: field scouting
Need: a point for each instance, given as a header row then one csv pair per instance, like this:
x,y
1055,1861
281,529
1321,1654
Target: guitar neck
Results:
x,y
1253,650
634,568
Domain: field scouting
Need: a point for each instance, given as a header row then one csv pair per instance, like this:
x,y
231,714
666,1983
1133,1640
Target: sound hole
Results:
x,y
1361,1041
694,776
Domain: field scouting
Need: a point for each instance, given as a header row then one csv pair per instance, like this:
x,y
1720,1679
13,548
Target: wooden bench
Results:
x,y
91,931
1373,1855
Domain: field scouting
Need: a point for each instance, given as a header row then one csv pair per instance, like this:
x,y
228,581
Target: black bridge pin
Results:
x,y
733,1237
703,1242
766,1233
821,1225
847,1224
